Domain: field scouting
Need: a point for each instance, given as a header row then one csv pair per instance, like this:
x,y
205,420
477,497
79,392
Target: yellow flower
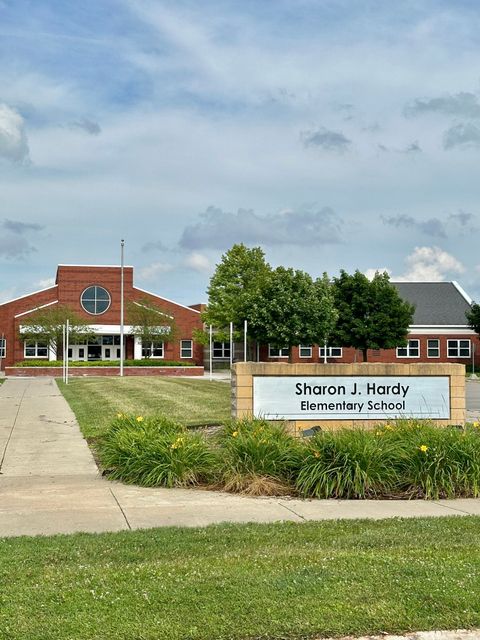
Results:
x,y
424,448
119,415
174,446
234,434
388,427
316,454
139,418
476,424
378,433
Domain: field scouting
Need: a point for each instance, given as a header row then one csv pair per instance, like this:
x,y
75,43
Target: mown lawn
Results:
x,y
243,581
193,402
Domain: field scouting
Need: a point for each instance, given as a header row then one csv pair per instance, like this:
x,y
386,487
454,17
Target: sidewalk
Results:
x,y
49,482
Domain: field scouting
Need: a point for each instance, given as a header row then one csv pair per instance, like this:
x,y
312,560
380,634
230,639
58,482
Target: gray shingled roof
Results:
x,y
436,303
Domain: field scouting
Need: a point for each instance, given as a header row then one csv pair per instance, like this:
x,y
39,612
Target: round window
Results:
x,y
95,300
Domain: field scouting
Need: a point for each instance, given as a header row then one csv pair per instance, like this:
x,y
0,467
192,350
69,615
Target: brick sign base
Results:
x,y
243,374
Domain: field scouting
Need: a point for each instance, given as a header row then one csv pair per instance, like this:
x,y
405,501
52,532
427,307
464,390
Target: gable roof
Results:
x,y
436,303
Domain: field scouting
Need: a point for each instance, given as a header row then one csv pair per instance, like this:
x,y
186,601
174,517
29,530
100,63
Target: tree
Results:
x,y
291,309
150,323
235,283
46,325
372,315
473,318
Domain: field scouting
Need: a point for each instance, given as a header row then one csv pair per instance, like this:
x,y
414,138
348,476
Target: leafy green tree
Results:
x,y
46,325
236,282
149,322
473,318
371,313
291,309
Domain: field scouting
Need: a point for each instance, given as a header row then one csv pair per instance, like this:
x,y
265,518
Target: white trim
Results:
x,y
438,347
150,293
462,292
458,340
36,356
408,349
151,347
156,310
27,295
3,348
329,352
191,348
442,331
279,349
42,306
95,266
305,346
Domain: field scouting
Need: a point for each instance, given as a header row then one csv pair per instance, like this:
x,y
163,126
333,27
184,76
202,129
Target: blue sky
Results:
x,y
335,134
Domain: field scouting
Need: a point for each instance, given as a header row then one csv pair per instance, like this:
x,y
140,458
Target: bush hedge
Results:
x,y
406,459
104,363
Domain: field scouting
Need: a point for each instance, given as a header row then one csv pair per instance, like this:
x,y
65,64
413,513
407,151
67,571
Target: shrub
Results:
x,y
154,452
347,464
257,457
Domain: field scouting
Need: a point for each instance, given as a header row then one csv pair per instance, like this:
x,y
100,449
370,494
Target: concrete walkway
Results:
x,y
49,482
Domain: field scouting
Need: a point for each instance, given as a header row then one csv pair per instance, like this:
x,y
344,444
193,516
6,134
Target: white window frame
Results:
x,y
304,347
321,352
36,347
408,347
223,348
437,340
3,348
151,347
280,352
190,348
458,340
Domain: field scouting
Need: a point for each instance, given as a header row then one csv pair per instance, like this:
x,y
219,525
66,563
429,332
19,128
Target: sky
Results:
x,y
335,134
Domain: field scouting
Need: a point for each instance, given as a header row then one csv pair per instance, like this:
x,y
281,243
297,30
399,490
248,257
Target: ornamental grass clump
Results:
x,y
437,462
155,452
257,458
348,464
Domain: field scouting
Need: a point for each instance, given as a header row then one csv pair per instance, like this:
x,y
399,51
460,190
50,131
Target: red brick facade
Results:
x,y
71,281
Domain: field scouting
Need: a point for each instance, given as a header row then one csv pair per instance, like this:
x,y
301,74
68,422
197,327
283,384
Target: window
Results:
x,y
107,353
3,347
221,350
152,350
305,351
81,353
95,300
433,348
332,352
412,350
108,340
34,349
458,348
273,352
186,349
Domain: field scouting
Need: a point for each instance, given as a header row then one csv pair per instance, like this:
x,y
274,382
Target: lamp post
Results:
x,y
122,331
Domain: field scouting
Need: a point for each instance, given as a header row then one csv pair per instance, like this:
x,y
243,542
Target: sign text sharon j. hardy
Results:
x,y
356,397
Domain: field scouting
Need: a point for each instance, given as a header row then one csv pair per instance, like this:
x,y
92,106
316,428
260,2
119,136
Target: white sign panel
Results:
x,y
351,397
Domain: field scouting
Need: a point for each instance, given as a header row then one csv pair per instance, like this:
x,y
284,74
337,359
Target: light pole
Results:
x,y
122,354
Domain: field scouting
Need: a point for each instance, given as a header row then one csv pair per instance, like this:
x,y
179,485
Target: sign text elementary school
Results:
x,y
348,395
356,397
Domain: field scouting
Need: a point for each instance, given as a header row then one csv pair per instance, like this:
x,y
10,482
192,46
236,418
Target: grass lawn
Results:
x,y
243,581
194,402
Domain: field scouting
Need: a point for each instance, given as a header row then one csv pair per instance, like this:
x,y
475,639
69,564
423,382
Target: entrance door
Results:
x,y
94,352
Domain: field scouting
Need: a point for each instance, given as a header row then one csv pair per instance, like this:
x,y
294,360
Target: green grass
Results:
x,y
95,401
2,380
273,581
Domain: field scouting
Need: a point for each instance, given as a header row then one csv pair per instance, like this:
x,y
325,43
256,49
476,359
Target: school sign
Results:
x,y
349,395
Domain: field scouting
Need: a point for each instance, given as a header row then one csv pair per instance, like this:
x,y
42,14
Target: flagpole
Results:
x,y
122,328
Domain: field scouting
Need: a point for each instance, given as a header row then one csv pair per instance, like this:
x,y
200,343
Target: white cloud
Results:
x,y
431,264
371,272
13,139
45,283
198,262
154,270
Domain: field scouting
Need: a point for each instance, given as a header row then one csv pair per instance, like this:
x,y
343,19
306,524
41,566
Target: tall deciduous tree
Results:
x,y
292,309
149,322
235,284
473,318
371,313
46,325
